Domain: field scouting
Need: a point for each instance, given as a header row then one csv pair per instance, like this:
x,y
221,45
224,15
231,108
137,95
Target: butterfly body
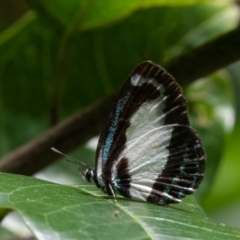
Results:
x,y
148,151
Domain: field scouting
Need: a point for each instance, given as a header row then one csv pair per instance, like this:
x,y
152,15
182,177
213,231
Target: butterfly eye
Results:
x,y
88,174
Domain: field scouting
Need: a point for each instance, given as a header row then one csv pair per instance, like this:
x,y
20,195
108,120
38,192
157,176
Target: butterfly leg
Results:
x,y
112,192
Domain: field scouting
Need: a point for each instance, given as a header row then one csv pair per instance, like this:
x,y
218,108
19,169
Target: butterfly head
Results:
x,y
88,174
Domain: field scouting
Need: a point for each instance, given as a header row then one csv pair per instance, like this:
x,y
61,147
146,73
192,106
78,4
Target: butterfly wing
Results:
x,y
148,151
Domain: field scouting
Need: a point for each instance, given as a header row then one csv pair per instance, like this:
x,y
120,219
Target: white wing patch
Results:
x,y
150,115
147,156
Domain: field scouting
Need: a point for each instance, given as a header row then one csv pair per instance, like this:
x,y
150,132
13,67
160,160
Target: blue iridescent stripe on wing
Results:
x,y
109,139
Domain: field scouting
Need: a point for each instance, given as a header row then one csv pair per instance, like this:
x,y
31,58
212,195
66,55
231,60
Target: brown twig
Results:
x,y
207,58
76,130
66,136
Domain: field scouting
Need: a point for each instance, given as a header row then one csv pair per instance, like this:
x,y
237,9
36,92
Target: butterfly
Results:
x,y
147,150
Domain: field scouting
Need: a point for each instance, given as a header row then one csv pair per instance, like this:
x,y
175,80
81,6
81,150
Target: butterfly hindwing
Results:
x,y
148,151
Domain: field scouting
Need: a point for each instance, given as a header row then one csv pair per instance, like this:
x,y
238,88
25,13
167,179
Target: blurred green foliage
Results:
x,y
69,54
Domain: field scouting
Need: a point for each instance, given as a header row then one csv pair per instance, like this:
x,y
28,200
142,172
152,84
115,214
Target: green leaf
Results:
x,y
53,211
219,23
227,182
210,103
91,14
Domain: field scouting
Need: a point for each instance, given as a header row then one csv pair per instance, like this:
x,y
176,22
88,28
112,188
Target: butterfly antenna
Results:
x,y
70,159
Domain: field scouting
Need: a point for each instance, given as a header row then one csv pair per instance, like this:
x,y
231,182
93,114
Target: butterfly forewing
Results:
x,y
148,151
